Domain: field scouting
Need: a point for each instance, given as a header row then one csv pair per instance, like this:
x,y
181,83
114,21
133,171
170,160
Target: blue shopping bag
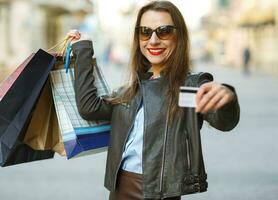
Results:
x,y
80,137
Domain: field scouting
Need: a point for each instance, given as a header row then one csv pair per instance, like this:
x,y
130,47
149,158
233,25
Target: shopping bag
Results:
x,y
80,137
16,109
8,82
43,131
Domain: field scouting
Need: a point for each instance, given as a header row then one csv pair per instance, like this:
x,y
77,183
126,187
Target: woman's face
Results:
x,y
157,50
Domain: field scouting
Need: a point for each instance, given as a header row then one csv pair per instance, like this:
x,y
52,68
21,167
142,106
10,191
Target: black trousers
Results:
x,y
130,187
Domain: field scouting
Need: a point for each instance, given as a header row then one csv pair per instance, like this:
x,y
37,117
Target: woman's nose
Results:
x,y
154,39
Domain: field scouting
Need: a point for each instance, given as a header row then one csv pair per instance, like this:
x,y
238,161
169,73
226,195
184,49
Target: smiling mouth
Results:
x,y
156,51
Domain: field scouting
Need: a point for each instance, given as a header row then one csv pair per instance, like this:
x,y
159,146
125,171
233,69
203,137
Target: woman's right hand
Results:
x,y
75,36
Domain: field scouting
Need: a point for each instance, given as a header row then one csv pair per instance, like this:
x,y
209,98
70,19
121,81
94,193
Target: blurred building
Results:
x,y
234,25
27,25
116,23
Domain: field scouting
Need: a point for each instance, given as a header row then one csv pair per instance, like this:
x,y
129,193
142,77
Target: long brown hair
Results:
x,y
177,65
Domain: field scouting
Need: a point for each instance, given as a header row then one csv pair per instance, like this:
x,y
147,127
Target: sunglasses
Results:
x,y
162,32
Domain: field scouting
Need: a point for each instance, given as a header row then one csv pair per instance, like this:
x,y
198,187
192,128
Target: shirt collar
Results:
x,y
153,77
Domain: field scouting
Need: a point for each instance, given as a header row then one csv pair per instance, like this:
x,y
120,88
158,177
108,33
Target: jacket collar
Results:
x,y
144,76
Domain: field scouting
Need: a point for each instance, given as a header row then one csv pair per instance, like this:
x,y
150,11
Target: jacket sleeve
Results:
x,y
225,118
90,106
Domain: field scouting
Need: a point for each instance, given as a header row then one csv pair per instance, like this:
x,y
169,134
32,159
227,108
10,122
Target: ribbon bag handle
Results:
x,y
67,61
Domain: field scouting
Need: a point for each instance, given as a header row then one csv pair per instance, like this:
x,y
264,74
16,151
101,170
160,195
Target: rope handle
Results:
x,y
64,50
61,46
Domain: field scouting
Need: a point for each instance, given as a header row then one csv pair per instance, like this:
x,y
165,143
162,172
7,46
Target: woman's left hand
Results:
x,y
212,96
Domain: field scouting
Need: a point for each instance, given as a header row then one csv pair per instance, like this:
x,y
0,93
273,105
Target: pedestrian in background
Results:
x,y
155,147
246,60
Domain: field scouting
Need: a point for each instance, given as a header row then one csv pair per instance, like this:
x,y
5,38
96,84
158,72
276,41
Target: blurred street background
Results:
x,y
235,40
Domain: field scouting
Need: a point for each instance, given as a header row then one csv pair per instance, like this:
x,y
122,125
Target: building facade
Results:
x,y
27,25
234,25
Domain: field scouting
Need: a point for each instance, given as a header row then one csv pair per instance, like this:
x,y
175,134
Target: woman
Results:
x,y
155,147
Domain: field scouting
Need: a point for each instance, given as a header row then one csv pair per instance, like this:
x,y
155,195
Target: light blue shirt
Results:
x,y
132,155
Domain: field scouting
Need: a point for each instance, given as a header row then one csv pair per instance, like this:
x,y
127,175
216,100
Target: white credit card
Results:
x,y
187,97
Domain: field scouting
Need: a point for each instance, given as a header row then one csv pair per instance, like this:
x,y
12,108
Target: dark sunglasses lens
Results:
x,y
165,32
145,33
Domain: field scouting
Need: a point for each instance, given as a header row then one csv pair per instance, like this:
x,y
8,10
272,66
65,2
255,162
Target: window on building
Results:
x,y
223,3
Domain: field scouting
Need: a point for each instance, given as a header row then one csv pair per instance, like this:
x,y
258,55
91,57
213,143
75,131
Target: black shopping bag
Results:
x,y
16,111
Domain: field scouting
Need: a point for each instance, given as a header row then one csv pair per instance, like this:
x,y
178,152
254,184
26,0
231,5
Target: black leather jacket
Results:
x,y
172,154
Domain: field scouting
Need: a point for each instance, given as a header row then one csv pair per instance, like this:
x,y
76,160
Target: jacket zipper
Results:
x,y
164,152
188,154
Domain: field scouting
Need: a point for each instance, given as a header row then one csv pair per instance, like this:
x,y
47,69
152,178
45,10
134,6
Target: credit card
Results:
x,y
187,97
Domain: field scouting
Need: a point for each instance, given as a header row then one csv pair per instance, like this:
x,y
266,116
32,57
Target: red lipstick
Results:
x,y
156,51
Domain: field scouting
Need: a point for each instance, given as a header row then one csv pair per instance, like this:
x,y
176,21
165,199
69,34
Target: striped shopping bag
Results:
x,y
80,137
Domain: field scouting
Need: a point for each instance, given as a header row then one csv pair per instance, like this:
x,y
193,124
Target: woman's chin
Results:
x,y
156,61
